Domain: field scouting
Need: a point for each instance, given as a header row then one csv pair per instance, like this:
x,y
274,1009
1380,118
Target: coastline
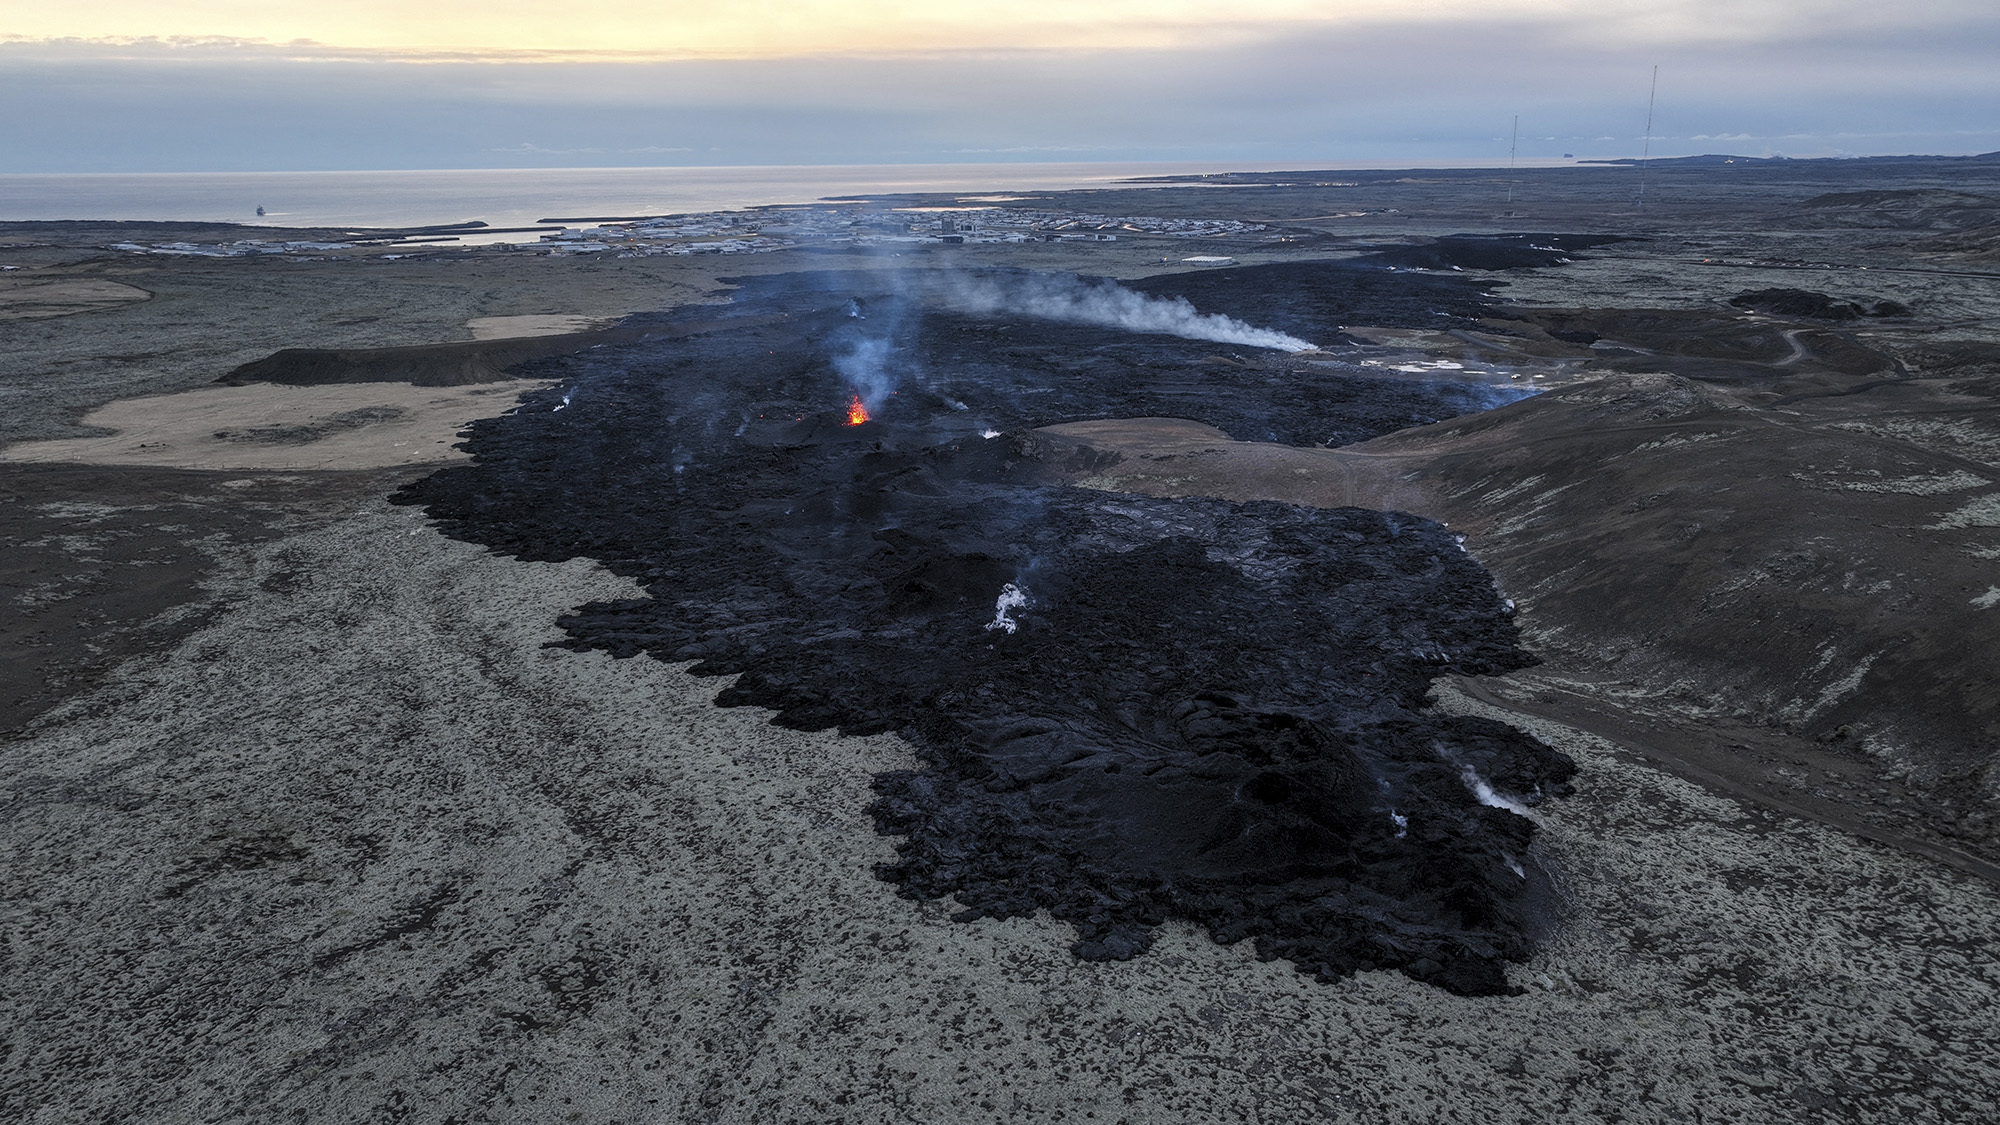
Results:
x,y
516,196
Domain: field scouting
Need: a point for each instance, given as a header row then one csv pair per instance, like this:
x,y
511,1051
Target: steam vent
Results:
x,y
1128,709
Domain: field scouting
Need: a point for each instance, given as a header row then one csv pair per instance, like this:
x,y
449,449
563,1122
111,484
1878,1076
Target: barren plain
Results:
x,y
316,813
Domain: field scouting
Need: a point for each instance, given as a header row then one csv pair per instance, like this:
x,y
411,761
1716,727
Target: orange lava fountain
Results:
x,y
856,412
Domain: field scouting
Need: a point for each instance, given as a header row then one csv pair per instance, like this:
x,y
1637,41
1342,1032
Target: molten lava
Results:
x,y
857,412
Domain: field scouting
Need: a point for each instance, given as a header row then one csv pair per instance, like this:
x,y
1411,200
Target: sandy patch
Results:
x,y
31,297
271,426
545,324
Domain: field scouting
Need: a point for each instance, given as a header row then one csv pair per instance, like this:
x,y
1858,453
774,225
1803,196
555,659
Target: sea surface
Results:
x,y
521,197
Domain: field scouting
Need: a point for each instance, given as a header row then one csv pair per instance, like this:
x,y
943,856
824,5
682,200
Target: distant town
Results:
x,y
737,232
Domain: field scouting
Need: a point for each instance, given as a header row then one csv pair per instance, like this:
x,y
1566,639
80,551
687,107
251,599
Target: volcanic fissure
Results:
x,y
1127,709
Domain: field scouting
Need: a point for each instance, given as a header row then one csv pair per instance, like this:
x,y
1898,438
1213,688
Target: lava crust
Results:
x,y
1127,709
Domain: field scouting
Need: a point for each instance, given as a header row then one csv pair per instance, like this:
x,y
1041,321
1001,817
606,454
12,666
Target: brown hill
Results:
x,y
1798,596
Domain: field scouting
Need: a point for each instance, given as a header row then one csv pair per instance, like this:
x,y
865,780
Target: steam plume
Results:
x,y
1076,301
1493,798
1011,598
864,363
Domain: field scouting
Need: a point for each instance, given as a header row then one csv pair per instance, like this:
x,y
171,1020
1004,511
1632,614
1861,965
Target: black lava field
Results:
x,y
1127,709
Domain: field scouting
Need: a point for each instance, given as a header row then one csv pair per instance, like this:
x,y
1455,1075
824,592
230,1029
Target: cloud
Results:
x,y
635,30
1017,150
526,149
1380,93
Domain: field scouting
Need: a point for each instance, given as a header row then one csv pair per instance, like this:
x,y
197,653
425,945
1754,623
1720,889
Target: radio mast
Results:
x,y
1646,154
1513,146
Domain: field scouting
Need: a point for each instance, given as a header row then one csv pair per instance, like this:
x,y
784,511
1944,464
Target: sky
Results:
x,y
236,85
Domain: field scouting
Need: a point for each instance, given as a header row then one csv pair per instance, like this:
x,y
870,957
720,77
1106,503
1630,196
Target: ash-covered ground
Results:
x,y
309,824
1128,709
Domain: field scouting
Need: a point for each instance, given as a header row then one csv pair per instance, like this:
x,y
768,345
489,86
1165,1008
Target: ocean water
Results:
x,y
520,197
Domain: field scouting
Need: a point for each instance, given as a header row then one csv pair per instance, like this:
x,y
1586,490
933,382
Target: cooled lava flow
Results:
x,y
1128,709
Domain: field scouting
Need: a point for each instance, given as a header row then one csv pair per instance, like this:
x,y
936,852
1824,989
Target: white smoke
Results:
x,y
864,363
1493,798
1076,301
1011,598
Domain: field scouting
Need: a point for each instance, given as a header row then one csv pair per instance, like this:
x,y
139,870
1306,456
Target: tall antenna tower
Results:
x,y
1646,154
1513,147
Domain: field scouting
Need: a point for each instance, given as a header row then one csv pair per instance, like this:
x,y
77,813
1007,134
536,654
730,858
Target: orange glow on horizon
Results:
x,y
745,29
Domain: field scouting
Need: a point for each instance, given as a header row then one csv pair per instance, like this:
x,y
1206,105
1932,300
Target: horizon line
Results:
x,y
1251,167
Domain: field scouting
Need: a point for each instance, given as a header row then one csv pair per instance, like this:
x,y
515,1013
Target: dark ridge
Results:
x,y
1817,306
1128,709
1718,160
1705,160
1313,300
456,364
1901,199
1350,176
426,365
1489,252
